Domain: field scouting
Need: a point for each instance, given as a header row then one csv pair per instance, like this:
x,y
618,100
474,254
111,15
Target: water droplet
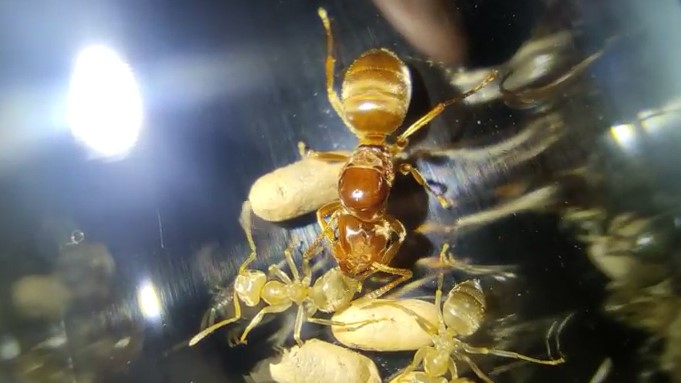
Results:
x,y
77,237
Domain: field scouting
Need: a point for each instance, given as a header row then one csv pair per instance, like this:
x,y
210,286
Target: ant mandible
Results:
x,y
375,95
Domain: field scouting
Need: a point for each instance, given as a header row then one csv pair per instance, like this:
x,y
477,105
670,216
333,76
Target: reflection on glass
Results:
x,y
9,348
655,121
149,301
104,103
624,135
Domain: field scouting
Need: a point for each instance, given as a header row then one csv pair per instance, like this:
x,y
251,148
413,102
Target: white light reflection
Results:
x,y
149,301
104,105
624,135
656,122
9,348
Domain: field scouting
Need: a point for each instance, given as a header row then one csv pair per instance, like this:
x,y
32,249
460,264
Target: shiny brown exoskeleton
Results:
x,y
375,96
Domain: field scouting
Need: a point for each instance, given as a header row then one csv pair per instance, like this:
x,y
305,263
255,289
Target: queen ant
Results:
x,y
375,95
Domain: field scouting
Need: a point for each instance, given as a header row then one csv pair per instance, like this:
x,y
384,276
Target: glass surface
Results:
x,y
116,243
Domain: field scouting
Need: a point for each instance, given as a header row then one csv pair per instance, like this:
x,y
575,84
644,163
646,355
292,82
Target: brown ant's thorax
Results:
x,y
365,182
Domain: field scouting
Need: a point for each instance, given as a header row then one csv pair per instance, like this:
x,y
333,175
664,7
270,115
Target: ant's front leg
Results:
x,y
402,276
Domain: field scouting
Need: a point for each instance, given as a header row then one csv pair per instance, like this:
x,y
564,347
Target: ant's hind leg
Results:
x,y
258,318
406,169
474,367
510,354
454,373
403,139
329,66
208,318
209,330
416,361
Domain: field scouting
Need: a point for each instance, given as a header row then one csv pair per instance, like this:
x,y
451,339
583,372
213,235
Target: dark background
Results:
x,y
229,88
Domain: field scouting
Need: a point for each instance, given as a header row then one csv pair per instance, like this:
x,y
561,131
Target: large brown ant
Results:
x,y
375,95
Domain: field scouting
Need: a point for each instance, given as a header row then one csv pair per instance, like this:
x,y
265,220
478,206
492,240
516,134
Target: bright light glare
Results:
x,y
104,106
149,301
624,134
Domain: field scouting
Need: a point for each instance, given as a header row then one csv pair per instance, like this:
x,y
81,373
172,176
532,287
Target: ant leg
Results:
x,y
451,262
403,139
416,361
536,200
406,168
310,252
558,330
439,262
514,355
298,326
501,270
435,227
277,272
476,369
288,256
421,321
329,209
354,325
454,372
329,68
329,156
524,96
411,286
334,156
440,283
258,318
510,354
403,275
246,224
209,330
398,228
208,318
